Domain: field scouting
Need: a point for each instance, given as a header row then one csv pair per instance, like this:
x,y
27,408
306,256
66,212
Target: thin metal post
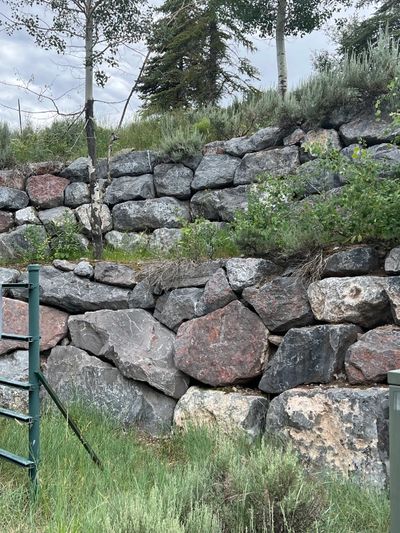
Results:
x,y
34,369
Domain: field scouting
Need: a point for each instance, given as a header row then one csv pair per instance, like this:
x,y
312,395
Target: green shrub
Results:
x,y
7,157
180,141
365,209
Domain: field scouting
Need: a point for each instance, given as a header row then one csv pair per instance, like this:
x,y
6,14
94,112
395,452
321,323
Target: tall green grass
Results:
x,y
199,481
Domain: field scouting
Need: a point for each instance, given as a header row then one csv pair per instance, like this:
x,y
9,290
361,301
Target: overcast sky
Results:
x,y
22,62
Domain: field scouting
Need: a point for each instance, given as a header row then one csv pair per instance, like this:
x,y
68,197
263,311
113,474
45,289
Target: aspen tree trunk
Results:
x,y
95,195
280,47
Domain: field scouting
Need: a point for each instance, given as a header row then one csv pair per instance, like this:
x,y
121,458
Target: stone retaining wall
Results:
x,y
240,343
150,197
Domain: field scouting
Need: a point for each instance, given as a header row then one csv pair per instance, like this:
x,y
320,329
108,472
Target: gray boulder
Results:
x,y
262,139
129,163
352,262
281,303
309,355
275,162
180,305
344,430
76,194
215,171
13,199
173,180
8,275
56,216
294,138
64,265
78,170
73,294
220,204
362,300
217,294
142,297
164,239
130,188
14,366
83,216
76,376
16,244
231,412
369,129
135,342
323,139
26,216
392,261
150,214
316,180
84,270
114,274
126,241
393,294
244,272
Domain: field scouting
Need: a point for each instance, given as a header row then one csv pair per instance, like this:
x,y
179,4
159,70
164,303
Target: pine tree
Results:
x,y
192,63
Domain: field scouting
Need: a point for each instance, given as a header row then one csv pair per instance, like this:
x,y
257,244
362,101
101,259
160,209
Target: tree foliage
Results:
x,y
193,61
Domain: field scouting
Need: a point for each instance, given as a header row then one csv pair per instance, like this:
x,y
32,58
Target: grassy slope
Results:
x,y
194,482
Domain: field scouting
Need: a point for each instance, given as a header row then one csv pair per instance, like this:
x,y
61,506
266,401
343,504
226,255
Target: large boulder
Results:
x,y
53,325
262,139
275,162
12,178
220,204
173,180
114,274
56,216
6,221
78,170
225,347
361,300
215,171
352,262
393,293
83,214
130,188
392,261
178,306
27,215
229,411
150,214
127,242
308,355
217,293
368,128
340,429
76,295
316,179
164,239
179,274
46,190
281,303
13,199
8,275
77,376
373,355
14,366
244,272
16,244
322,139
142,296
139,346
130,163
76,194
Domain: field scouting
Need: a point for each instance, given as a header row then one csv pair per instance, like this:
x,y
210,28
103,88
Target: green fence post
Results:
x,y
34,369
394,449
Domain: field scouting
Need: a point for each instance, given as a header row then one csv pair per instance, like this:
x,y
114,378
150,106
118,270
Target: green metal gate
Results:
x,y
36,379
